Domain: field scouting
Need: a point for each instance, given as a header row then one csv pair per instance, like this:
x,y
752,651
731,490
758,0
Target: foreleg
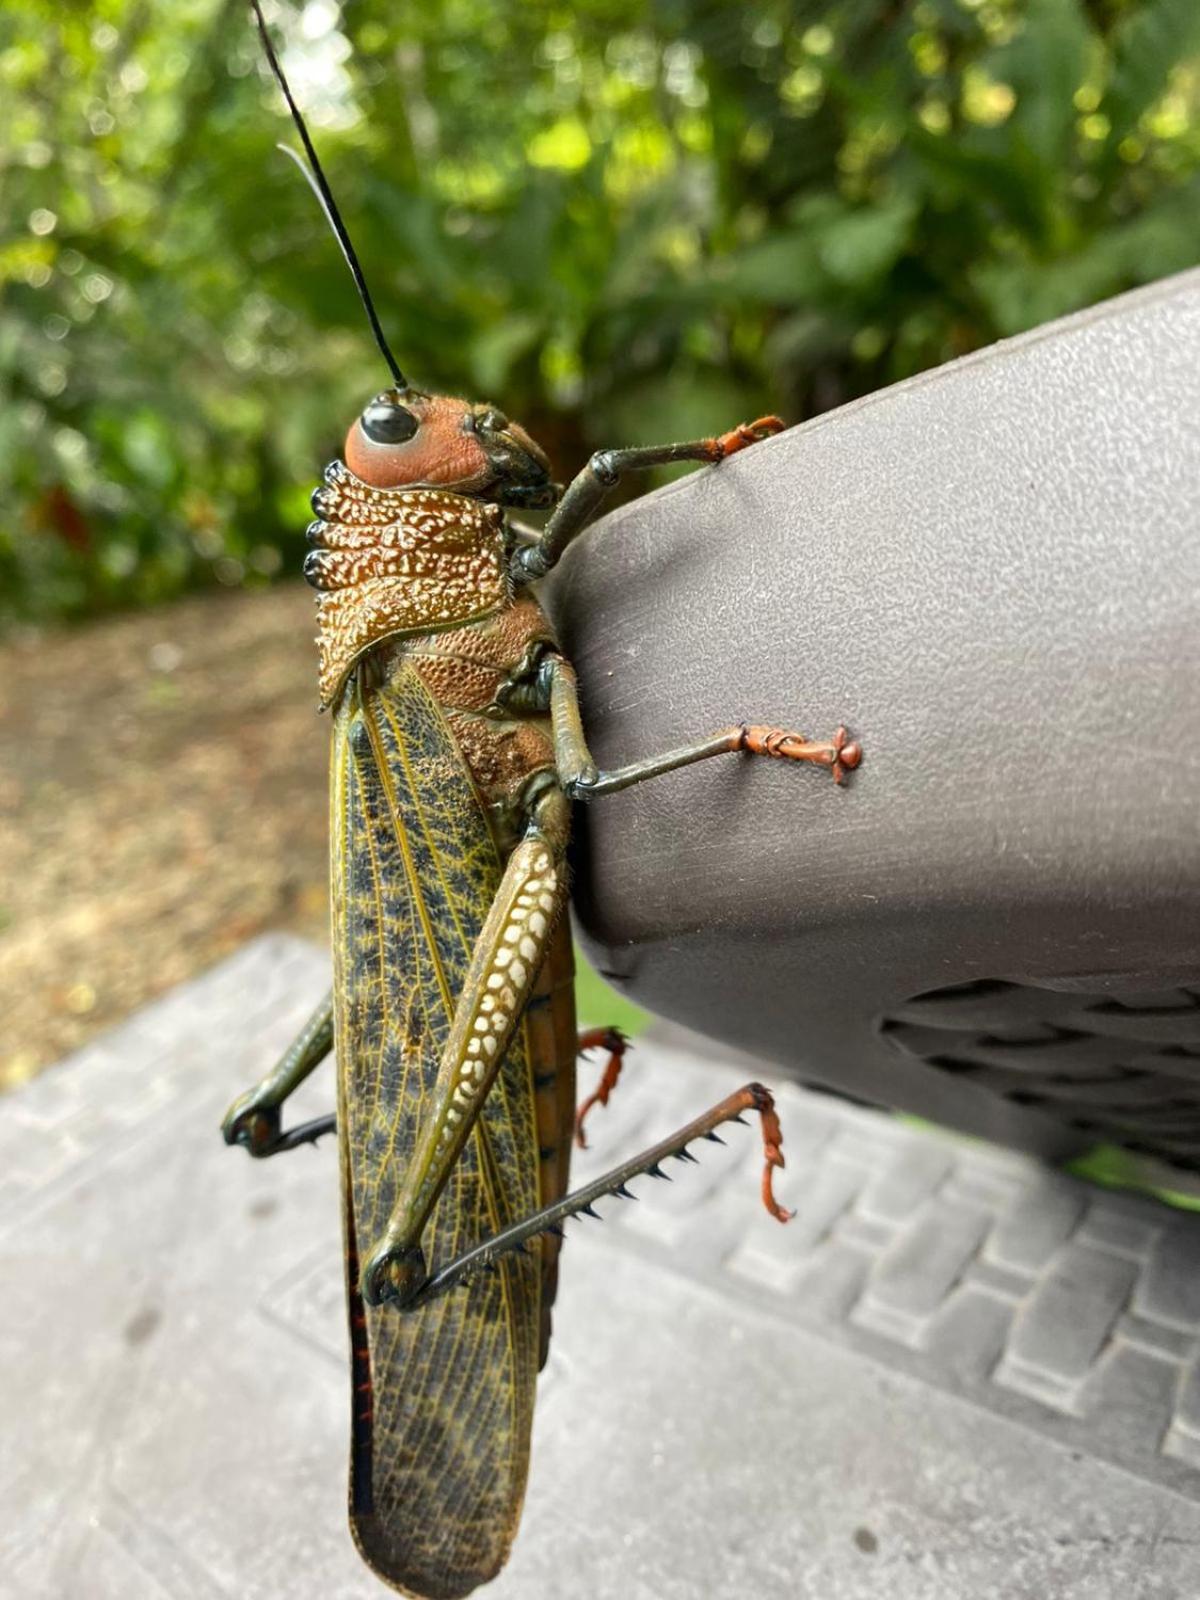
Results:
x,y
587,490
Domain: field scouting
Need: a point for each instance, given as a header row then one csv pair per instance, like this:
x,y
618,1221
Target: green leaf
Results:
x,y
1023,293
859,247
782,270
963,173
147,448
495,349
1045,64
1147,44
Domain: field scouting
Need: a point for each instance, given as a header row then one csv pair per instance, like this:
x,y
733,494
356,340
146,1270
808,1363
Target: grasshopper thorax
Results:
x,y
405,438
410,535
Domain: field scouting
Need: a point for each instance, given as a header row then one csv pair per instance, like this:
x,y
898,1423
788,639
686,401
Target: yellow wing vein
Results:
x,y
420,809
380,962
422,910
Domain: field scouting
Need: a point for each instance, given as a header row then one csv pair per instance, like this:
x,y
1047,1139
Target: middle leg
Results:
x,y
254,1121
583,780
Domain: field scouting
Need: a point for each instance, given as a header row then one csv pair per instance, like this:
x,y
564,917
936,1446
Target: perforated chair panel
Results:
x,y
1124,1067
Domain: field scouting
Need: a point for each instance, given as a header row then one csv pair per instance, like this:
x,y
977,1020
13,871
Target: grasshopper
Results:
x,y
457,751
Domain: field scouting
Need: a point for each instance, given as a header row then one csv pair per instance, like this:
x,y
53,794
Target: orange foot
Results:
x,y
615,1042
772,1138
746,433
841,754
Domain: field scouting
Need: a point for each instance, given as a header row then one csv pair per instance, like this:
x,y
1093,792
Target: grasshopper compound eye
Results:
x,y
386,421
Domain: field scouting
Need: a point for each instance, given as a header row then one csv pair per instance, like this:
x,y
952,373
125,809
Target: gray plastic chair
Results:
x,y
991,574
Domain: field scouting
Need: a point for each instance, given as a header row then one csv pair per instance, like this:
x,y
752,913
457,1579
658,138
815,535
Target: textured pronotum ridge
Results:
x,y
393,561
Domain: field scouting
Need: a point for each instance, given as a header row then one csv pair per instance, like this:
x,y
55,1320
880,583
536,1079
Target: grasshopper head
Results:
x,y
405,438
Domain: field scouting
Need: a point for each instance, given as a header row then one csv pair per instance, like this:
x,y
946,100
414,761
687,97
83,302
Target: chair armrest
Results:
x,y
991,574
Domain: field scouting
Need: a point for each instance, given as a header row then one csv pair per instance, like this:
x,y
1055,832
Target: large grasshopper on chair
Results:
x,y
458,749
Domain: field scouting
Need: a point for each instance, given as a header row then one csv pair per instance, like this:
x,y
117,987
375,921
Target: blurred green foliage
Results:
x,y
621,219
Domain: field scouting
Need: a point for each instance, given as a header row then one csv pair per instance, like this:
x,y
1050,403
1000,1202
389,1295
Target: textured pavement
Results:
x,y
953,1375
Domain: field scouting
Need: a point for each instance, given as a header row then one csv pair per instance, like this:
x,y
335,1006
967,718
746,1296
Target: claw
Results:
x,y
848,755
255,1125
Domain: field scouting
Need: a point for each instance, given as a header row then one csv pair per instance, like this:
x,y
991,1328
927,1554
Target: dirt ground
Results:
x,y
162,799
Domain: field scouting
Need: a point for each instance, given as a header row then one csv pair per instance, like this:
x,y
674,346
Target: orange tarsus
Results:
x,y
772,1138
841,754
746,433
615,1042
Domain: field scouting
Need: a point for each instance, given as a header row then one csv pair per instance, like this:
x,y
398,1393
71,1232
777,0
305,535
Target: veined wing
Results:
x,y
443,1397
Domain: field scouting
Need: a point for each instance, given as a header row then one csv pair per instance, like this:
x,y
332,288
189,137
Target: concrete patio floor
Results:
x,y
953,1375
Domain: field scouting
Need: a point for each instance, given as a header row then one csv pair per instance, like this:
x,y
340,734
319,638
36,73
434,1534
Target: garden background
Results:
x,y
620,221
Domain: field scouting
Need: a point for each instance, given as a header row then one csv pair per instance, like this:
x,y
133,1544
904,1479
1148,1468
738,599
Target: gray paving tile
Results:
x,y
1126,1231
1168,1290
1059,1335
918,1170
1042,1216
1129,1391
1187,1401
968,1334
919,1268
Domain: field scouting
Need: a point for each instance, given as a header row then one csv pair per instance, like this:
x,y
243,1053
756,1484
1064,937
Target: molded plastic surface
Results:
x,y
991,573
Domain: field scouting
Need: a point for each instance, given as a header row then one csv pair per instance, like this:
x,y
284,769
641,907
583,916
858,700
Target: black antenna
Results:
x,y
317,183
